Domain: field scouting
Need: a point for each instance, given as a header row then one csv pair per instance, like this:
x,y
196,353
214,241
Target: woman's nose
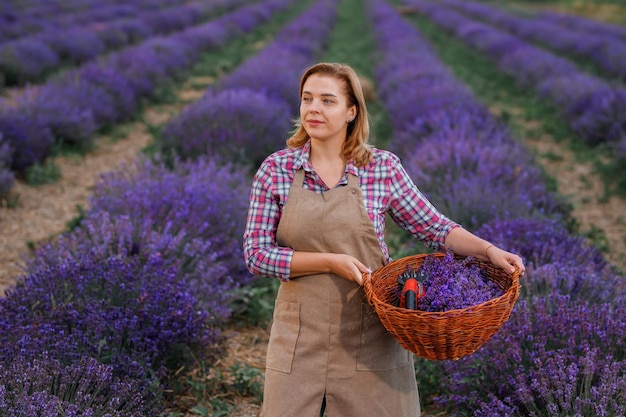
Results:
x,y
315,105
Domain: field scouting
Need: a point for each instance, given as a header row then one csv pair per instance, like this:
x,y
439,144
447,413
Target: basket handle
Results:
x,y
367,278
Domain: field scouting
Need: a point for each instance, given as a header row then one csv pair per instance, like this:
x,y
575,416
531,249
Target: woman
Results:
x,y
316,221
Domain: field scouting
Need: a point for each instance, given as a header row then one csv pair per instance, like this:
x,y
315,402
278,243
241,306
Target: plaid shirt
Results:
x,y
386,188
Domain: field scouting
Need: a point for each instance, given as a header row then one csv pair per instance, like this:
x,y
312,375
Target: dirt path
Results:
x,y
583,188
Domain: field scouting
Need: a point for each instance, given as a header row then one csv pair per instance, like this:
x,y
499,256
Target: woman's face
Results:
x,y
324,108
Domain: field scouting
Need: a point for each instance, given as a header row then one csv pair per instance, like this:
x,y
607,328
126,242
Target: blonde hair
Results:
x,y
355,147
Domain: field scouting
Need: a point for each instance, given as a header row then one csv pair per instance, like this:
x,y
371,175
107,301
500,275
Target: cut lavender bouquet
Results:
x,y
454,284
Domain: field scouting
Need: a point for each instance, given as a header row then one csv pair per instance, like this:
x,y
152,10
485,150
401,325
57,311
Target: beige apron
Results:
x,y
325,337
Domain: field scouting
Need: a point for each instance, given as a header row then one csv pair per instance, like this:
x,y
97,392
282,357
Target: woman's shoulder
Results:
x,y
382,157
383,165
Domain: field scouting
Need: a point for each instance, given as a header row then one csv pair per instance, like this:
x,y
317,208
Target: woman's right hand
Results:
x,y
345,266
348,267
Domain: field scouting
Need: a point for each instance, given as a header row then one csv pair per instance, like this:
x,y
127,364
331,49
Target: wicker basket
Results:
x,y
451,334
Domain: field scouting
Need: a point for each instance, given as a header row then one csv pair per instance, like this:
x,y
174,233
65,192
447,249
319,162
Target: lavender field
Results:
x,y
511,120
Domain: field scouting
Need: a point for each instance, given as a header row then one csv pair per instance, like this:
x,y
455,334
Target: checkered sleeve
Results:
x,y
262,254
412,211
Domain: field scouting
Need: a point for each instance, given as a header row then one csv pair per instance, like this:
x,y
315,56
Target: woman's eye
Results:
x,y
306,99
328,101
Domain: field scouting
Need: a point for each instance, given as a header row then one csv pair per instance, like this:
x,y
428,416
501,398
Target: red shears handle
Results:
x,y
412,291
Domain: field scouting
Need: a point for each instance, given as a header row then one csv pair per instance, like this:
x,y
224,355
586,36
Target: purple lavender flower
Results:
x,y
566,91
605,50
67,120
580,23
239,125
116,85
454,284
531,65
134,30
465,119
79,92
294,49
277,60
598,117
27,138
111,35
84,388
6,153
543,241
558,261
26,60
75,45
188,216
554,353
141,67
466,176
176,18
6,176
206,37
134,315
174,55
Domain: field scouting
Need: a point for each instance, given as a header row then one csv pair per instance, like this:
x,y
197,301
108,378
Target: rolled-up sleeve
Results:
x,y
262,254
412,211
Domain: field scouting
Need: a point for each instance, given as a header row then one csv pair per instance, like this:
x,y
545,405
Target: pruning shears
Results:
x,y
412,283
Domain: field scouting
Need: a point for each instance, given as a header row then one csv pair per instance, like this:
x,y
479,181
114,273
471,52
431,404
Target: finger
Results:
x,y
362,267
517,261
359,278
509,265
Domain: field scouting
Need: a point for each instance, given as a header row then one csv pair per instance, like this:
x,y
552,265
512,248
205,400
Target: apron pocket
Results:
x,y
378,350
283,336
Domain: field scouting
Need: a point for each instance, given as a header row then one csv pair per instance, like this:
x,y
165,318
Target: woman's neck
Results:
x,y
328,162
330,150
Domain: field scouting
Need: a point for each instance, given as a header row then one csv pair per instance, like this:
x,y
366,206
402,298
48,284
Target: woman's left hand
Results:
x,y
505,260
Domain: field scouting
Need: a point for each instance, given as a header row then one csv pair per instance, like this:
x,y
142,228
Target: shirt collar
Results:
x,y
304,161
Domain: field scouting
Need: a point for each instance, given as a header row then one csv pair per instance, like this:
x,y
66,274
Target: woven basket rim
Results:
x,y
515,285
449,334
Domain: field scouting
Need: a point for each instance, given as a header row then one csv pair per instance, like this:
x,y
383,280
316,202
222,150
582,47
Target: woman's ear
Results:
x,y
352,113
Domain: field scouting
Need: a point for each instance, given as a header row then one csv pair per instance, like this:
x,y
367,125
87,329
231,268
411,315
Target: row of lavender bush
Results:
x,y
30,59
135,293
109,310
606,51
594,108
600,43
424,101
19,18
248,114
580,23
562,351
72,108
